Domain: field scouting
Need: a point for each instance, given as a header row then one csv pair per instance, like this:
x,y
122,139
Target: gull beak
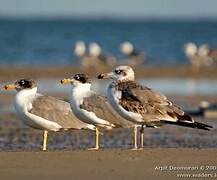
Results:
x,y
66,81
105,75
9,87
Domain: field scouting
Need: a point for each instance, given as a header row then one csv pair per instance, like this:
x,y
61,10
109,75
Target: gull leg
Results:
x,y
142,137
96,141
45,135
135,138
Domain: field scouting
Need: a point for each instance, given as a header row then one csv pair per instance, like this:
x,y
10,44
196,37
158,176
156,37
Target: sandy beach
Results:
x,y
171,46
67,157
106,164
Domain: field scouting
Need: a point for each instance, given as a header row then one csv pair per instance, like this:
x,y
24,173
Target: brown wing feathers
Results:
x,y
143,100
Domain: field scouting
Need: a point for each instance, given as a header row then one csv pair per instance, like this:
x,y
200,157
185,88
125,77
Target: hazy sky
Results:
x,y
109,8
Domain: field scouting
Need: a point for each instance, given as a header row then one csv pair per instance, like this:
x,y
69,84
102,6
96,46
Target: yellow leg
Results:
x,y
97,138
45,140
96,141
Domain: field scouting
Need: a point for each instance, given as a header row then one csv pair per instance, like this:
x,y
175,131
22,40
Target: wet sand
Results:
x,y
106,164
14,135
8,72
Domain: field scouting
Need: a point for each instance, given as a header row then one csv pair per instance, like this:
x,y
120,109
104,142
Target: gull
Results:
x,y
99,58
81,53
191,51
142,105
43,112
209,53
135,57
198,56
92,108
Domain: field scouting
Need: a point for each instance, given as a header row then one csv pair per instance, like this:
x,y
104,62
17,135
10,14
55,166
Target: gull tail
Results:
x,y
187,121
196,125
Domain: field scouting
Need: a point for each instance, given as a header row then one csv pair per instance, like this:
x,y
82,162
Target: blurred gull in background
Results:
x,y
210,53
81,53
99,58
134,57
198,57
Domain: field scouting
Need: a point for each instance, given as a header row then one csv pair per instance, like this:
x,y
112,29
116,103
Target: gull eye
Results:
x,y
77,77
118,71
22,82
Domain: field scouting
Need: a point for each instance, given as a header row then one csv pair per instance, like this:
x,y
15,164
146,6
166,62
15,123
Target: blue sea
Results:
x,y
51,41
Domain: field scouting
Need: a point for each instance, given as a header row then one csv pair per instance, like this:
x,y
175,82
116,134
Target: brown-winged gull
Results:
x,y
142,105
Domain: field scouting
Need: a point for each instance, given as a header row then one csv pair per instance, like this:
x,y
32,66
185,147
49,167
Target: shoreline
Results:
x,y
8,72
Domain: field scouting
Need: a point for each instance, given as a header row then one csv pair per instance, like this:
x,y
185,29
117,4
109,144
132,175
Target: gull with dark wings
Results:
x,y
142,105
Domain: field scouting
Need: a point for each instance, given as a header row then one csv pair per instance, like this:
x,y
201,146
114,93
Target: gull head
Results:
x,y
120,73
126,48
78,79
80,48
21,84
190,49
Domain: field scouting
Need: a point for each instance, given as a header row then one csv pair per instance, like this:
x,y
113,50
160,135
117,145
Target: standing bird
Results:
x,y
80,52
43,112
142,105
199,57
209,53
80,49
191,50
92,108
135,57
100,59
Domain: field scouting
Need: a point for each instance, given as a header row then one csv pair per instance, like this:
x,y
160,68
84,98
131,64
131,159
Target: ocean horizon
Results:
x,y
51,41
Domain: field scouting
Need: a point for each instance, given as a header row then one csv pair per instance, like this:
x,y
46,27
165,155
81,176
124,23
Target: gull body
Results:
x,y
142,105
81,52
198,56
210,53
98,57
92,108
134,57
43,112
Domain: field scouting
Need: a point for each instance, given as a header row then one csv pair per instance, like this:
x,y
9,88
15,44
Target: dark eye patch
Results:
x,y
81,78
24,83
77,77
118,71
122,72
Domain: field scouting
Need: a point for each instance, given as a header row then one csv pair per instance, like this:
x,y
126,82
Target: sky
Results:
x,y
109,8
